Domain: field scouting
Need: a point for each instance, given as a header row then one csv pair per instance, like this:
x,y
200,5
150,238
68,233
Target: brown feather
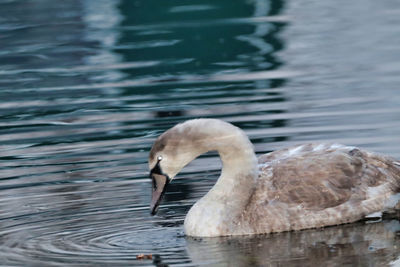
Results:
x,y
316,185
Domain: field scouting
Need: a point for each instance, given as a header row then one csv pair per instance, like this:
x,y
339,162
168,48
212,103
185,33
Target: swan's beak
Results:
x,y
160,183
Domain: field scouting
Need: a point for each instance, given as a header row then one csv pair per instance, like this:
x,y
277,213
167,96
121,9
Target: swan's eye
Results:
x,y
159,158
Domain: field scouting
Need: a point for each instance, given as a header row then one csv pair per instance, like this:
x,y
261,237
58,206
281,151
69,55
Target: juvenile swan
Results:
x,y
305,186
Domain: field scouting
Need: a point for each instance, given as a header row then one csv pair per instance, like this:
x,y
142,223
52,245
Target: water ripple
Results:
x,y
87,88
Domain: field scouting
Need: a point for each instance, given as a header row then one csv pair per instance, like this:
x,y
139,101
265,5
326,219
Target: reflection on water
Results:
x,y
359,244
86,86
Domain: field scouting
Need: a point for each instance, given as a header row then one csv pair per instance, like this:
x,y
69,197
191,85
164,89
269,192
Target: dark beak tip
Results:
x,y
153,211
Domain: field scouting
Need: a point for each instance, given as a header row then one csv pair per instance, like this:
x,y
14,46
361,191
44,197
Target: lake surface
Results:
x,y
86,87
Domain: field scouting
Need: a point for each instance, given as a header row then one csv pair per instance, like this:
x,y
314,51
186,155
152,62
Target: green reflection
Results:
x,y
200,38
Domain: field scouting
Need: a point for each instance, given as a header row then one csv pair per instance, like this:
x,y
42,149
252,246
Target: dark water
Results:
x,y
86,86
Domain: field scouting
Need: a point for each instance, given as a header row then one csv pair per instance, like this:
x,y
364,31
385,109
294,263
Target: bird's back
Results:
x,y
317,185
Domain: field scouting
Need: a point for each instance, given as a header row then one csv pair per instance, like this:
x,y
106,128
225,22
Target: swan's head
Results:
x,y
176,148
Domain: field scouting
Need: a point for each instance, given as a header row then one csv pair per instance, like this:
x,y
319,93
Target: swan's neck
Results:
x,y
224,203
238,174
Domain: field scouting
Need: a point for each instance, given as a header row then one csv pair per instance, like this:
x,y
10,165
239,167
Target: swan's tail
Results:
x,y
392,210
395,198
397,164
397,207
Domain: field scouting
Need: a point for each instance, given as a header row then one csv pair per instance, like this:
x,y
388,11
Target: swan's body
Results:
x,y
306,186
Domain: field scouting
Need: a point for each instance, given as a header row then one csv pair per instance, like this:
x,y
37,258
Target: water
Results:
x,y
86,86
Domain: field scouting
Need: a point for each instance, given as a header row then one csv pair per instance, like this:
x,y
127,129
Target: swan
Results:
x,y
305,186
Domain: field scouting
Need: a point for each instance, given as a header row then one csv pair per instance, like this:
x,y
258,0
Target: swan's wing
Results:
x,y
323,176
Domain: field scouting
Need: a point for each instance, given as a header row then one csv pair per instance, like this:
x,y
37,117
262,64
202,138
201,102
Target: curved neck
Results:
x,y
219,211
239,167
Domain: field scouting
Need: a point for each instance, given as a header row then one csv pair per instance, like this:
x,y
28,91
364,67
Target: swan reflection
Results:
x,y
357,244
